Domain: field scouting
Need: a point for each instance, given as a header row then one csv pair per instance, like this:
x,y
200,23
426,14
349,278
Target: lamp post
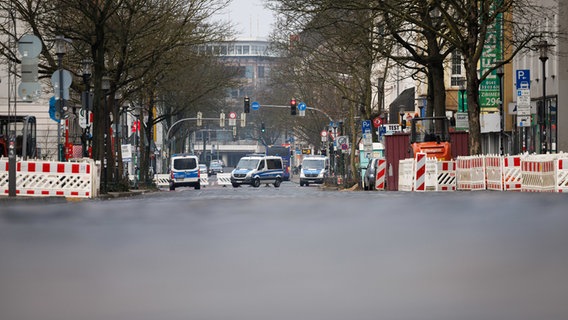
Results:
x,y
500,74
462,83
544,132
105,86
60,49
402,122
86,64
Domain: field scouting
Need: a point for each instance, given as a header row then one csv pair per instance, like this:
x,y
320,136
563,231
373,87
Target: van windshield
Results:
x,y
185,163
247,164
313,164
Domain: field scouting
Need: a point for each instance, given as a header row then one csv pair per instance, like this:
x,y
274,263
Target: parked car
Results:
x,y
215,167
203,169
370,174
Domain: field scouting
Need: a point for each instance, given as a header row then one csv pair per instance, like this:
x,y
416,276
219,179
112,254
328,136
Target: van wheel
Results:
x,y
235,185
256,182
198,186
277,182
301,183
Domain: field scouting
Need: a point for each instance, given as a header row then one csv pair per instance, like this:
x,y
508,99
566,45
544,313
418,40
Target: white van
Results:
x,y
256,169
184,171
314,170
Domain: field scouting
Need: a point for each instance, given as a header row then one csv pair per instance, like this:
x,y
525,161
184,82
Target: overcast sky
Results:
x,y
251,18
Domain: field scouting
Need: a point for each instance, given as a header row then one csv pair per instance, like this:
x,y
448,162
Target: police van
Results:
x,y
257,169
314,170
184,171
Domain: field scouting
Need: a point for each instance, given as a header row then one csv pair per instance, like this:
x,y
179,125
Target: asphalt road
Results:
x,y
287,253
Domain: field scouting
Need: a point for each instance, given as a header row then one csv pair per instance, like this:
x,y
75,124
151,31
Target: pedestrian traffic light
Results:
x,y
262,128
293,106
247,105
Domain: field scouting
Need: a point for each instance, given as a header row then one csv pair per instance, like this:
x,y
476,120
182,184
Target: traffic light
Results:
x,y
293,106
247,105
262,128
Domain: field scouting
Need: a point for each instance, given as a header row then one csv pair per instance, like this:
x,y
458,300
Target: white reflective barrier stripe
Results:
x,y
224,179
204,180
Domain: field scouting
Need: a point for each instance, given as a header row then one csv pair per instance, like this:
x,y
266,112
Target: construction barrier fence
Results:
x,y
36,178
527,173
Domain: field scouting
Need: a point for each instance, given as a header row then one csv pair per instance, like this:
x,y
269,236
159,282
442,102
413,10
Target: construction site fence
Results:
x,y
79,178
525,173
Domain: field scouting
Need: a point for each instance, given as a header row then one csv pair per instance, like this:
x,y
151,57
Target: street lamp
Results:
x,y
462,84
500,74
543,116
60,50
86,66
105,86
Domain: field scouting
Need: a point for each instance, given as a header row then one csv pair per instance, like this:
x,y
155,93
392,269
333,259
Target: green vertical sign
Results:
x,y
492,52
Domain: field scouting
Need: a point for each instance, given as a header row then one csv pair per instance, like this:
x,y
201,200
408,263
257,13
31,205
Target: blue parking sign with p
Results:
x,y
366,126
523,78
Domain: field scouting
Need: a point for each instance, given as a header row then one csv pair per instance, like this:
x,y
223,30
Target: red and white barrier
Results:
x,y
493,172
420,172
446,174
562,175
512,177
538,173
51,179
470,173
381,174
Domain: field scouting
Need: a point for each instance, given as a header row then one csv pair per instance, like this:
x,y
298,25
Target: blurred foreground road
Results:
x,y
288,253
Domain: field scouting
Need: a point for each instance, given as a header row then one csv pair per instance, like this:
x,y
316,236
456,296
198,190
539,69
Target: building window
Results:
x,y
261,72
249,73
456,68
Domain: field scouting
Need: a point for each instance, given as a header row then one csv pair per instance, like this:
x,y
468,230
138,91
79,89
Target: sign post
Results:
x,y
523,86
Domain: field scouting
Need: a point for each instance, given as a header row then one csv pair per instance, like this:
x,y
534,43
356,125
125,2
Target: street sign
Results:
x,y
302,106
523,85
255,105
377,122
366,126
523,79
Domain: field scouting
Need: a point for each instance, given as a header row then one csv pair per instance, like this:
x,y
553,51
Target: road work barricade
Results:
x,y
381,174
446,176
405,174
538,173
493,172
512,177
162,180
224,179
204,180
470,172
426,174
51,178
562,175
